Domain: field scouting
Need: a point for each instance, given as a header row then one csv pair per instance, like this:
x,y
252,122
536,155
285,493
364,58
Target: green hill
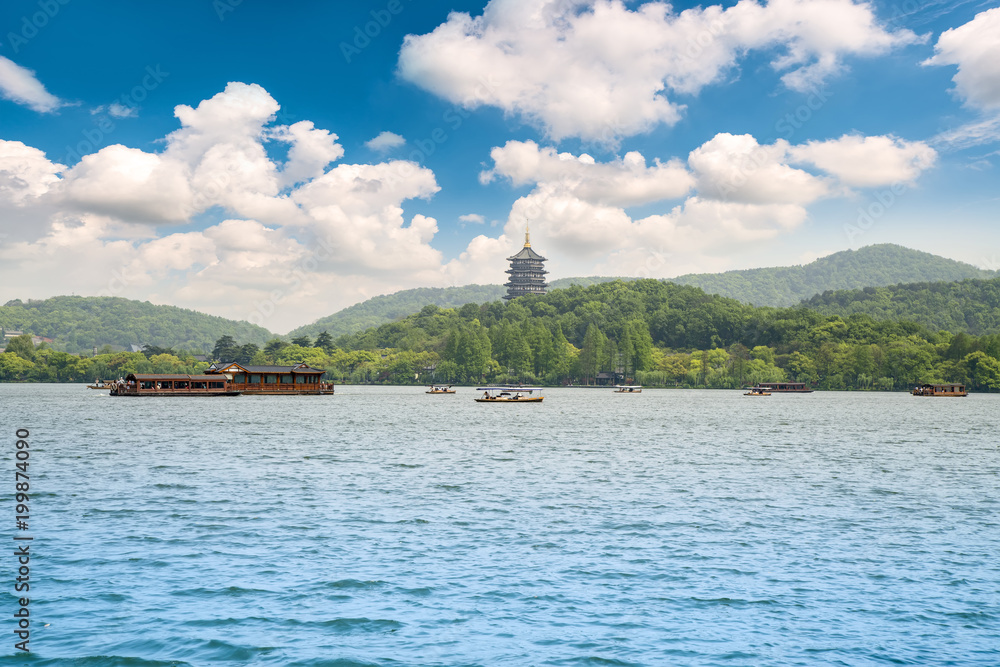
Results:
x,y
875,265
388,307
871,266
78,324
970,306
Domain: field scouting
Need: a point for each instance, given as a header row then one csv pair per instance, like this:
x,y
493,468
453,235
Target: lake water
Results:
x,y
385,526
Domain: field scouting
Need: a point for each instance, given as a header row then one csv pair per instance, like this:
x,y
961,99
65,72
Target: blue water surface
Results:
x,y
385,526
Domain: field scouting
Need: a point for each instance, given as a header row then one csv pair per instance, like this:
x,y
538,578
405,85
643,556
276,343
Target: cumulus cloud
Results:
x,y
598,70
473,218
385,141
867,161
18,84
301,240
731,191
975,49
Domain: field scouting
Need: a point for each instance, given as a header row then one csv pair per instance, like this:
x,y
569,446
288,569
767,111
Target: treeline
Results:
x,y
970,306
648,331
672,335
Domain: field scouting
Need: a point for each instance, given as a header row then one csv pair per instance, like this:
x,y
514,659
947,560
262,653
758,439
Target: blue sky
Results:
x,y
637,139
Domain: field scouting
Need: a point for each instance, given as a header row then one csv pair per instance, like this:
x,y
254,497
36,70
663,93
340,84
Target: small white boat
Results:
x,y
628,389
440,389
510,395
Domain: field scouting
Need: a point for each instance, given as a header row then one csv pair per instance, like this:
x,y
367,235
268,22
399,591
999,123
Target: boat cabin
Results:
x,y
510,395
274,380
156,384
786,387
940,390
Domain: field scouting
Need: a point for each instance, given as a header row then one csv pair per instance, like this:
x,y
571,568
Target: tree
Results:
x,y
324,341
302,341
592,353
225,349
246,353
22,346
274,347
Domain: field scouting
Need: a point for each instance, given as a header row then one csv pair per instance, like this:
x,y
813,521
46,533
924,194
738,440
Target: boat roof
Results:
x,y
524,389
169,376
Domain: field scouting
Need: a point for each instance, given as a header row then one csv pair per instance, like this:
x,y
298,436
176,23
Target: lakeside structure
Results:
x,y
527,272
167,384
954,389
272,380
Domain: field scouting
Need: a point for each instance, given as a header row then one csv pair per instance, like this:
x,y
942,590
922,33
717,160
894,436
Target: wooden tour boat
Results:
x,y
510,395
628,389
940,390
440,389
783,387
159,384
273,380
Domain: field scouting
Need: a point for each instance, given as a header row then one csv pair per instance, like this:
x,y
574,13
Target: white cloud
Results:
x,y
868,161
473,218
385,141
625,182
119,110
19,84
975,49
312,150
25,173
597,70
737,168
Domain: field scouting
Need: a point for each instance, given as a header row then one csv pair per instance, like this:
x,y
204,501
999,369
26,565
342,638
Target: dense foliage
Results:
x,y
971,306
653,332
664,334
78,324
875,265
388,307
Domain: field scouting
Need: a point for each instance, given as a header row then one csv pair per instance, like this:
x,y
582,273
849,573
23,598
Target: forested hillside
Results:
x,y
654,332
875,265
78,324
972,306
871,266
388,307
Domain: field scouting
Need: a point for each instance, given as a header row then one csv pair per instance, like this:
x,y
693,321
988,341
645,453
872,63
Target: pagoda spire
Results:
x,y
527,234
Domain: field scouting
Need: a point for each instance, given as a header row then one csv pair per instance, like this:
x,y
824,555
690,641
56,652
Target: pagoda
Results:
x,y
527,272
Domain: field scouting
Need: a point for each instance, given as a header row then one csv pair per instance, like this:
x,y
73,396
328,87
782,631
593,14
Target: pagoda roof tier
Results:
x,y
526,253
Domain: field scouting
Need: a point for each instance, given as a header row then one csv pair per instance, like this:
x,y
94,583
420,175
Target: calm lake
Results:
x,y
385,526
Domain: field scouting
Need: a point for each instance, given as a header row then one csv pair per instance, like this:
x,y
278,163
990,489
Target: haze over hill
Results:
x,y
871,266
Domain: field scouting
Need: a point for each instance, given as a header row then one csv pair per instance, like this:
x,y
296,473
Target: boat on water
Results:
x,y
757,391
628,389
783,387
940,390
440,389
150,384
294,380
510,395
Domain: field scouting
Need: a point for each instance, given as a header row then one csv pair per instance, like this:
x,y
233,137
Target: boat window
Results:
x,y
240,377
198,385
146,384
181,384
216,385
271,378
255,379
287,378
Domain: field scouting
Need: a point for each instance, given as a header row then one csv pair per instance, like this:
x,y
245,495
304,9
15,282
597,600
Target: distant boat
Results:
x,y
783,387
510,395
628,389
440,389
757,391
940,390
